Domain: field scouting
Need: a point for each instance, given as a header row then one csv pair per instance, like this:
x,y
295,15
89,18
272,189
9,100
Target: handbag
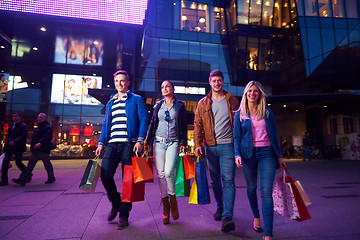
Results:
x,y
182,186
201,182
142,171
131,191
91,175
189,168
303,194
283,197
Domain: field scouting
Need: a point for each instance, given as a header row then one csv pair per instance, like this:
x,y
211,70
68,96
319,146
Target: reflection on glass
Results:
x,y
267,12
194,16
338,8
325,8
264,58
277,14
255,12
243,11
352,8
219,20
310,8
253,55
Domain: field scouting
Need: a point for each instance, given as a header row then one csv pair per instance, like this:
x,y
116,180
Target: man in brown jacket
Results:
x,y
214,126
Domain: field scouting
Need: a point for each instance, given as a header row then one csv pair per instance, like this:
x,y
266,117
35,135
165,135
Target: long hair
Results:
x,y
260,109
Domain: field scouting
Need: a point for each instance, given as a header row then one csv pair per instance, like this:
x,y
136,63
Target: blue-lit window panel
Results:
x,y
353,23
352,8
149,73
341,37
194,50
179,49
241,55
301,21
25,109
325,55
204,37
215,38
307,67
312,22
164,14
325,8
267,12
91,110
224,58
354,37
176,34
340,23
72,110
164,33
148,85
24,95
56,109
255,12
328,39
311,8
326,23
338,8
187,35
127,11
242,8
314,42
300,7
164,48
314,63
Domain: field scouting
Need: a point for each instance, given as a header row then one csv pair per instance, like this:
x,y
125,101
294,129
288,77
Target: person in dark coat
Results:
x,y
40,149
15,145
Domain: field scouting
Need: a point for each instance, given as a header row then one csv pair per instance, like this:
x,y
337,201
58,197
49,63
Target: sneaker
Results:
x,y
227,225
123,223
218,214
19,181
112,214
3,183
52,180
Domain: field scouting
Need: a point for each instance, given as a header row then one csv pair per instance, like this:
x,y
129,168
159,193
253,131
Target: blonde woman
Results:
x,y
257,149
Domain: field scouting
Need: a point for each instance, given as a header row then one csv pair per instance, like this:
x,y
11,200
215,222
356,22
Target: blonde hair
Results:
x,y
260,109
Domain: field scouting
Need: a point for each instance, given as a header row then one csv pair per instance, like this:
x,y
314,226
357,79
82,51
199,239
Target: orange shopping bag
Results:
x,y
142,171
189,168
131,192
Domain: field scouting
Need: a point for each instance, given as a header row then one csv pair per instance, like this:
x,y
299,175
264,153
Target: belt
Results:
x,y
165,140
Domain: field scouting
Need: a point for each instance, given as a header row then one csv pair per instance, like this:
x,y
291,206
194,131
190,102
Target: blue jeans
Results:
x,y
263,158
307,152
114,154
221,166
165,155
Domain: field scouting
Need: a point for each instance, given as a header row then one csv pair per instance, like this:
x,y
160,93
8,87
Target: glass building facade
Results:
x,y
305,52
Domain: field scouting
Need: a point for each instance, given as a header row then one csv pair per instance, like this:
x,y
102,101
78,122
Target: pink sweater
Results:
x,y
259,133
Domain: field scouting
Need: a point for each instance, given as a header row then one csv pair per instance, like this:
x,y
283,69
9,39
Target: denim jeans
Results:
x,y
6,161
221,166
165,155
263,158
307,152
114,154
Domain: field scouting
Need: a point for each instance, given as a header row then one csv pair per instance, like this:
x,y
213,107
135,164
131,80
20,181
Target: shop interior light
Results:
x,y
184,18
2,46
35,48
43,29
96,42
202,20
284,105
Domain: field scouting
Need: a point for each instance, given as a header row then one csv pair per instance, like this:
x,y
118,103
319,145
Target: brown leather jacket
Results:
x,y
204,122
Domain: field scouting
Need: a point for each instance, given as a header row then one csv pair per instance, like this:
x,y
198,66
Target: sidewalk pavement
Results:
x,y
62,211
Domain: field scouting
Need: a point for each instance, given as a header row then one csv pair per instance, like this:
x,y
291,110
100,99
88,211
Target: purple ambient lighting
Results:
x,y
124,11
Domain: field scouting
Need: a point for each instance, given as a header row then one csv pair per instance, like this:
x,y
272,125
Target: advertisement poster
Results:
x,y
73,89
350,145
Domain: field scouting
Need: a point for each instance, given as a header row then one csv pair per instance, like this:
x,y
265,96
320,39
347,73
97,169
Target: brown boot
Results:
x,y
174,207
166,210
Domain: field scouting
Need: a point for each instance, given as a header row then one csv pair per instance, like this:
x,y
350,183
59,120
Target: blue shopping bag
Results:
x,y
201,182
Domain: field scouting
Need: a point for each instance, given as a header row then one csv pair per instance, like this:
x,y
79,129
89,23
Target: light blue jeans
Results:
x,y
221,164
263,158
165,155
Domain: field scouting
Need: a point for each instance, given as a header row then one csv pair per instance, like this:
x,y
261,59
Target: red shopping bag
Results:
x,y
189,169
142,171
131,191
303,211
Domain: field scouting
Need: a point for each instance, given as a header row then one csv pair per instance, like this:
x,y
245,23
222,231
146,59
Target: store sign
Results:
x,y
125,11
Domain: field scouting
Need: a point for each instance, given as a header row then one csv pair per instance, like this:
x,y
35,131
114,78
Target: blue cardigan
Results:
x,y
137,119
243,142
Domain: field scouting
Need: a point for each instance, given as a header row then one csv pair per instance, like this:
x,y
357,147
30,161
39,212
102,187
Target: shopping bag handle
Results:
x,y
96,158
182,153
146,153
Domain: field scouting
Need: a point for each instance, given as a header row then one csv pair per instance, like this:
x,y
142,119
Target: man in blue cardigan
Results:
x,y
123,132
